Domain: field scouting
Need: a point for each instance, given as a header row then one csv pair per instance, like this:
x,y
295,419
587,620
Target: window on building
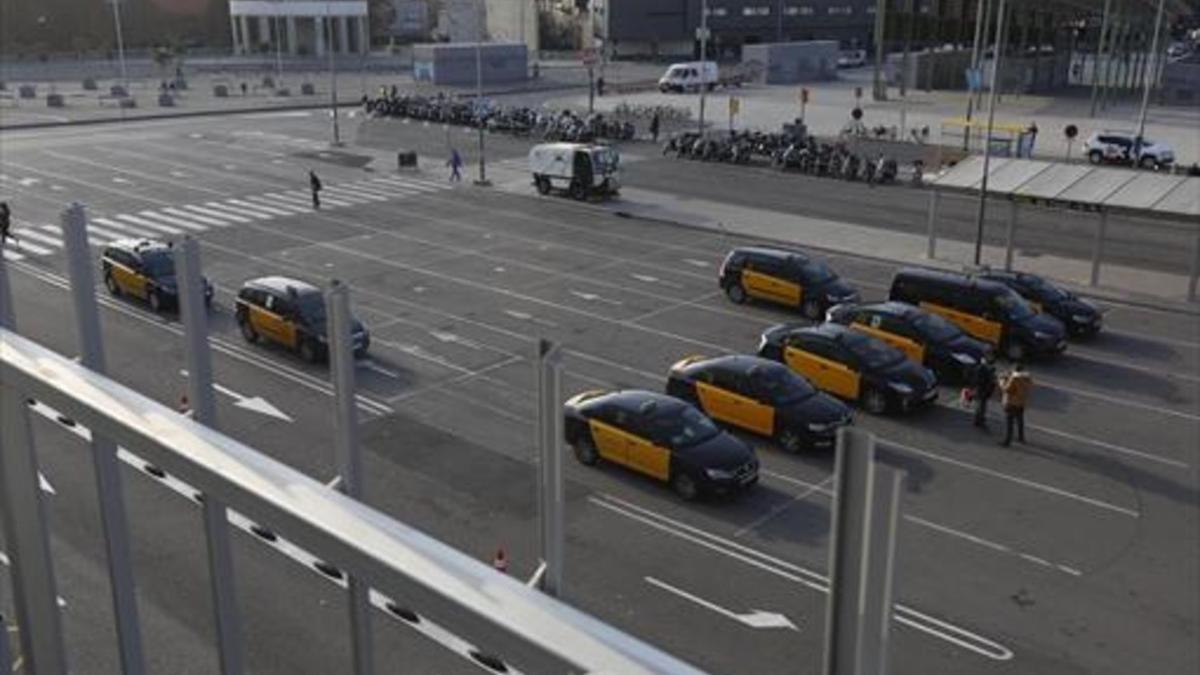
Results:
x,y
760,10
717,11
842,10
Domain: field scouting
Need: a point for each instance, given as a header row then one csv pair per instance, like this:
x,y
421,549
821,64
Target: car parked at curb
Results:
x,y
1080,317
783,276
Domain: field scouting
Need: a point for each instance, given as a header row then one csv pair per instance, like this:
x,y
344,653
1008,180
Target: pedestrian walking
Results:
x,y
314,183
600,86
985,386
1014,390
1032,132
243,89
654,124
455,163
5,225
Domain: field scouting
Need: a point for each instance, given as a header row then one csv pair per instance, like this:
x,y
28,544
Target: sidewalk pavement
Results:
x,y
1117,282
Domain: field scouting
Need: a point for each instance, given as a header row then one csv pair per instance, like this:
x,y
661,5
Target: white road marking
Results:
x,y
526,316
369,364
97,236
646,278
695,263
225,208
11,255
1121,401
780,508
256,404
216,213
178,222
901,613
456,339
148,223
196,217
45,485
286,207
132,231
592,297
258,207
61,601
347,192
27,247
122,181
755,618
38,236
180,174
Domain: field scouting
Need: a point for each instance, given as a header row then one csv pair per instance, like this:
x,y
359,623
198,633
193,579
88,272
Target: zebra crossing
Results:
x,y
34,239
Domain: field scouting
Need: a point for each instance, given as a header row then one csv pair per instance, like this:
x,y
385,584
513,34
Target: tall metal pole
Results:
x,y
550,484
980,10
483,181
203,403
113,519
997,61
1146,93
987,31
327,26
703,57
779,22
878,86
278,37
120,44
349,458
1099,53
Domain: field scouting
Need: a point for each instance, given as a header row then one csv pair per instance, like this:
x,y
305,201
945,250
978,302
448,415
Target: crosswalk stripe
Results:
x,y
38,236
174,221
394,189
258,207
302,197
402,186
267,201
13,255
225,208
295,200
346,192
133,231
368,189
416,183
216,213
27,247
96,236
149,223
197,217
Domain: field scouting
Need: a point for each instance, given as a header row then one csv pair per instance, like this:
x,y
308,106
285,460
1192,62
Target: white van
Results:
x,y
690,76
579,169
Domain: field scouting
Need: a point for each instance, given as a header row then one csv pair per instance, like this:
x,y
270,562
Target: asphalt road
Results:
x,y
1073,554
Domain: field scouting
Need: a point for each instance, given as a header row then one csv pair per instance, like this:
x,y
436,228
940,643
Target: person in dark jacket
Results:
x,y
315,184
985,386
654,124
5,224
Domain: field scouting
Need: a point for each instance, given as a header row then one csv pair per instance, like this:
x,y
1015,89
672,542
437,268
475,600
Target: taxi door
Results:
x,y
984,329
128,279
876,327
649,458
767,283
265,321
825,373
611,442
727,405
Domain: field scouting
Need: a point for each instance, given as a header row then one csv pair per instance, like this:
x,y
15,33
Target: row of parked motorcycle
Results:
x,y
786,152
564,125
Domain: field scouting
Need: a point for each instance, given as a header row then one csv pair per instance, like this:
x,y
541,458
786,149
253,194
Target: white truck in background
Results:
x,y
692,76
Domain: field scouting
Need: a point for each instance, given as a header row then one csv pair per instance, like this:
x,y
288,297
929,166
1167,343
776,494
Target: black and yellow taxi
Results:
x,y
761,396
784,276
659,436
851,365
986,309
924,337
144,269
291,313
1080,317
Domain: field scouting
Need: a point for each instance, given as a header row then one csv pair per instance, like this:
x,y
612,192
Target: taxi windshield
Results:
x,y
158,264
872,353
311,308
935,328
1045,291
780,386
1013,306
815,272
682,428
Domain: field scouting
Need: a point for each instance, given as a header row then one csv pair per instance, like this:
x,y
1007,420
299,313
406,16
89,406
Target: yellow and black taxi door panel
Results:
x,y
610,441
264,321
914,350
825,374
130,281
734,408
984,329
652,460
770,287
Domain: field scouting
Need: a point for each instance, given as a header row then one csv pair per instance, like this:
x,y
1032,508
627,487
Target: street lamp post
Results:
x,y
333,101
987,145
278,37
1148,84
482,180
703,57
116,4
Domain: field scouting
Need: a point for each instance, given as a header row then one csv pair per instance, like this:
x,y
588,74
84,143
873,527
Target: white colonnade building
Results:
x,y
300,26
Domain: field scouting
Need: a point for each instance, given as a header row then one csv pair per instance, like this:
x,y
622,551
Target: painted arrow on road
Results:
x,y
256,404
756,618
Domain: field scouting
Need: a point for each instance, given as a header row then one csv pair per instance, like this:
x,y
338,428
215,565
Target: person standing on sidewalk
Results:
x,y
314,184
5,225
455,163
654,124
985,386
1014,390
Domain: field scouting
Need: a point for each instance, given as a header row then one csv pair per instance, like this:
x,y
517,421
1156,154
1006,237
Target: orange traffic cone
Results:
x,y
500,562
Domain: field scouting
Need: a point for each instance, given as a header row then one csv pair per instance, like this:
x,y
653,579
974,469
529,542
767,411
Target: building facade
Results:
x,y
299,26
669,26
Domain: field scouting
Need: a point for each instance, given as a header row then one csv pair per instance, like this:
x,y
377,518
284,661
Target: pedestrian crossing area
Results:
x,y
34,239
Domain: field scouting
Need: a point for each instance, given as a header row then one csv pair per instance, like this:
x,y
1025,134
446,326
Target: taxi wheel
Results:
x,y
111,284
874,401
585,452
1015,351
789,440
736,293
308,351
248,331
685,486
155,301
811,310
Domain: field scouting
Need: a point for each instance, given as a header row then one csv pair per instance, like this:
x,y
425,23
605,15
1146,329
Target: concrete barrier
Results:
x,y
55,101
221,91
118,91
166,101
307,89
27,91
89,84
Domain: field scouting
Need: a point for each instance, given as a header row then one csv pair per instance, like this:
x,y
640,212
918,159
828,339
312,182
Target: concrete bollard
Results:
x,y
118,91
221,91
166,101
55,101
89,84
307,89
27,91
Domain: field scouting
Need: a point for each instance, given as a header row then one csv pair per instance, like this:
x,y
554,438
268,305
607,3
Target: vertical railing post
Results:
x,y
5,655
349,458
1011,235
848,550
1098,248
881,558
104,451
193,312
35,592
931,247
1195,274
552,500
